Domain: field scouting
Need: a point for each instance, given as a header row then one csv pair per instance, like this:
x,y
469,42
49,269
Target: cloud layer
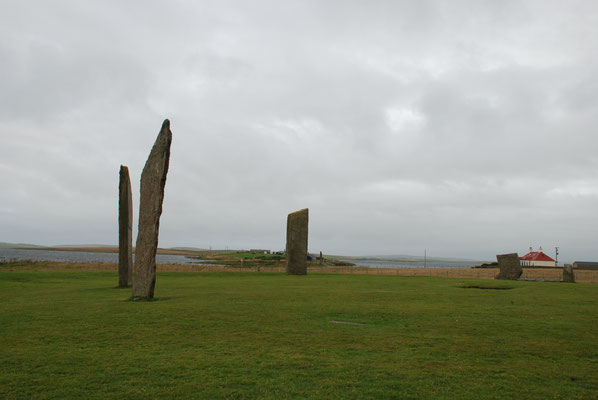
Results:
x,y
465,128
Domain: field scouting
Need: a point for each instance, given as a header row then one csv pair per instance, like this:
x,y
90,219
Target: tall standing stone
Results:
x,y
153,180
297,224
125,229
568,275
510,267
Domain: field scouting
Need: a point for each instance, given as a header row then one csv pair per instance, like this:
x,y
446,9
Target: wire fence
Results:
x,y
535,274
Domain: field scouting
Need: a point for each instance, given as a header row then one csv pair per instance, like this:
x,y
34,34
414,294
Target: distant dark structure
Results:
x,y
510,267
587,265
125,229
297,227
153,180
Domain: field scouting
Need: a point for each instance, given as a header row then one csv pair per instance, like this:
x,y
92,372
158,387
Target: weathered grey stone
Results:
x,y
125,229
297,224
568,275
153,180
510,267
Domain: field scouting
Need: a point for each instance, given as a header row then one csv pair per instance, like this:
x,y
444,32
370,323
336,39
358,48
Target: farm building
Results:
x,y
259,251
591,265
537,259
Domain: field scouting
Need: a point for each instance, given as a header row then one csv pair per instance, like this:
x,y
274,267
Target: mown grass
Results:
x,y
248,335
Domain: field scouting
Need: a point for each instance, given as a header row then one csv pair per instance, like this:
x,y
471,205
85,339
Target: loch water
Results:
x,y
7,254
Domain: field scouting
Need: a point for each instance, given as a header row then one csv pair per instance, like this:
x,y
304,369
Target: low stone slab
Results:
x,y
568,275
153,180
510,267
297,226
346,322
125,229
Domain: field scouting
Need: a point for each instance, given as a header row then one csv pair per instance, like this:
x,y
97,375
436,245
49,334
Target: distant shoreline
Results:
x,y
104,249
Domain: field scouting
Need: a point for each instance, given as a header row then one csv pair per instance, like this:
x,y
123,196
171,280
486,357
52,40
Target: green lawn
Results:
x,y
250,335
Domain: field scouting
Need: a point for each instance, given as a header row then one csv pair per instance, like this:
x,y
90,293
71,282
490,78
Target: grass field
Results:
x,y
72,334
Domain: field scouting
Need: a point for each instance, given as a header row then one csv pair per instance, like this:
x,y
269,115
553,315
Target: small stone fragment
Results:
x,y
568,274
510,267
297,226
153,180
125,229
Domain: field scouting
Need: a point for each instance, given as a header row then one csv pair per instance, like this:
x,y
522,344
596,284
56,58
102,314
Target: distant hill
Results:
x,y
187,248
73,246
407,258
5,245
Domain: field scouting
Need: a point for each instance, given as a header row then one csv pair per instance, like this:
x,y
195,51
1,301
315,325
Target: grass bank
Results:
x,y
71,334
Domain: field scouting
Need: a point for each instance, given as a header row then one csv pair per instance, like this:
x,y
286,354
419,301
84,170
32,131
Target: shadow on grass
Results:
x,y
140,299
486,287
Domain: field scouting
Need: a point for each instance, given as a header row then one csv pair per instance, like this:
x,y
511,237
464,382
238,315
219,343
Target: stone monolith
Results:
x,y
510,267
568,275
153,180
297,223
125,229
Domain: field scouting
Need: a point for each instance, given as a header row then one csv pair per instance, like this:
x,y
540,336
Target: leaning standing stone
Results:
x,y
153,180
568,275
125,229
510,267
297,223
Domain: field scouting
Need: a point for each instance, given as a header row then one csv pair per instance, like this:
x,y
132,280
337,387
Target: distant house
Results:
x,y
591,265
259,251
537,259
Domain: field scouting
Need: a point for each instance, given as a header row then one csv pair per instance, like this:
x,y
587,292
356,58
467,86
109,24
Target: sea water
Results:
x,y
81,256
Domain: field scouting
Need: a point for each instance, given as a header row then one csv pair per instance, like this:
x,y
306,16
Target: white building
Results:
x,y
536,259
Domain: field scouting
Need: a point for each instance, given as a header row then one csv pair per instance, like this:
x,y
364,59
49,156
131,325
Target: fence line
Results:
x,y
479,273
545,274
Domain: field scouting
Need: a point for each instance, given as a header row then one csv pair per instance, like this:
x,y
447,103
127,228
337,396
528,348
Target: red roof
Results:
x,y
536,256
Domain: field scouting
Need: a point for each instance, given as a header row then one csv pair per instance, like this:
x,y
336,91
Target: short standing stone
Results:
x,y
297,224
568,275
125,229
153,180
510,267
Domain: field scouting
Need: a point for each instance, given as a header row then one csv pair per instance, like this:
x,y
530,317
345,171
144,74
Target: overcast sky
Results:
x,y
467,128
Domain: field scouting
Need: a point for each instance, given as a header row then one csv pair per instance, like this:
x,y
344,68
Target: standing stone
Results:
x,y
297,223
125,229
510,267
153,179
568,275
